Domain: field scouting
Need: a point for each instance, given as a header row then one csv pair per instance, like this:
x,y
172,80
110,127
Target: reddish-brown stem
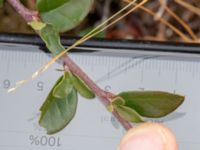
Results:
x,y
123,122
104,96
27,14
67,61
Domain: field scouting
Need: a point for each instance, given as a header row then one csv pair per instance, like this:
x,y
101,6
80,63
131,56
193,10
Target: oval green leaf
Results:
x,y
64,86
152,104
81,87
128,114
57,113
37,25
51,38
63,14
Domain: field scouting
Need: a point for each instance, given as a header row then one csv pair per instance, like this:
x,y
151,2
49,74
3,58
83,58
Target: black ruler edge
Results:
x,y
104,44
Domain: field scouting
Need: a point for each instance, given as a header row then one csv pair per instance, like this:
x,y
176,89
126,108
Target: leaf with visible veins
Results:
x,y
153,104
128,114
56,113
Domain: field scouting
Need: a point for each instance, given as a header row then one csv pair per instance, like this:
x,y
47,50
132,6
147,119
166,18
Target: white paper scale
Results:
x,y
93,127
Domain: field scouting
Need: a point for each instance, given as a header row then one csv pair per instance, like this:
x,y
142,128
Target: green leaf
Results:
x,y
128,114
64,87
57,113
118,101
110,108
81,87
152,104
37,25
63,14
1,3
48,5
52,39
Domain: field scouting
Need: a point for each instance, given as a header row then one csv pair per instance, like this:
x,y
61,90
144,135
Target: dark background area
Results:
x,y
138,25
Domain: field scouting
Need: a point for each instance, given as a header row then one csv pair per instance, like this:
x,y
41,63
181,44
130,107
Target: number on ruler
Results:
x,y
45,141
40,86
6,84
108,88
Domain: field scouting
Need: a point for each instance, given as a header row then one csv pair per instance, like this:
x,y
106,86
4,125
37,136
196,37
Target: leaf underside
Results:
x,y
128,114
153,104
63,88
56,113
81,87
52,39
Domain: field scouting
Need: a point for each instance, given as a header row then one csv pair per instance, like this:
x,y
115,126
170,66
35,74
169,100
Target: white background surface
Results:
x,y
93,127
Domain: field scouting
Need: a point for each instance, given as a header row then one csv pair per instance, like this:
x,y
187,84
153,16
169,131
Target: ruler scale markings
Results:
x,y
7,67
155,65
142,72
176,76
185,67
194,67
198,70
174,65
113,63
146,66
171,65
181,67
152,64
100,62
167,66
114,71
25,61
194,71
159,70
189,67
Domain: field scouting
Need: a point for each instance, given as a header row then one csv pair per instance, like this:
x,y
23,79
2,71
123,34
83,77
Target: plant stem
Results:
x,y
104,96
70,65
27,14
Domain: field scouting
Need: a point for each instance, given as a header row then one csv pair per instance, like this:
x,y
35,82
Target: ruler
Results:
x,y
115,66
